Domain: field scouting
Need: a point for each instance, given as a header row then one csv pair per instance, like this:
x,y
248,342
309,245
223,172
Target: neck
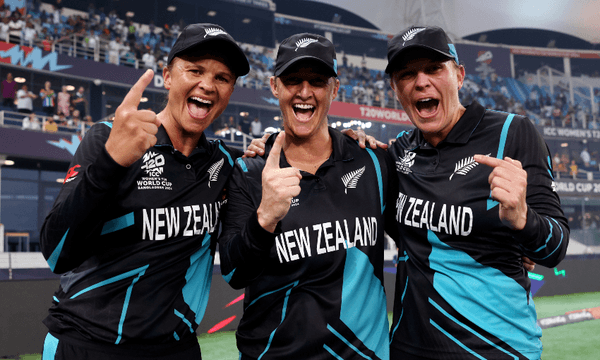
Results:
x,y
182,141
435,138
308,154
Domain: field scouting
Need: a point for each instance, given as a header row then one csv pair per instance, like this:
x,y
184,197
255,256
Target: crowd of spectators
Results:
x,y
100,34
55,110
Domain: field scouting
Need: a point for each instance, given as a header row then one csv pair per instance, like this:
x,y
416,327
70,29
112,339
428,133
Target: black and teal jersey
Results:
x,y
135,245
314,288
461,289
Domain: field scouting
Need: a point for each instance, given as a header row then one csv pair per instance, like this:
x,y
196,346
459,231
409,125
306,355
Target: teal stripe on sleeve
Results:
x,y
53,259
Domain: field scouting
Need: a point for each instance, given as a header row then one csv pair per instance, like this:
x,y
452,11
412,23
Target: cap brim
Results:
x,y
237,61
396,58
282,69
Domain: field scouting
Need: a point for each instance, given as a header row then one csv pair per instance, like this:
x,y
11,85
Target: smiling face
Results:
x,y
428,88
199,91
305,93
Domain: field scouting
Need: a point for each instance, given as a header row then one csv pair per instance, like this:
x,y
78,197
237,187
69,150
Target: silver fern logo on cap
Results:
x,y
214,32
410,34
302,43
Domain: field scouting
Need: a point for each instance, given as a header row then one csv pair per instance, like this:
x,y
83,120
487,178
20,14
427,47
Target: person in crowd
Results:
x,y
48,97
29,122
25,100
9,87
50,125
80,101
475,194
64,102
134,286
310,259
256,128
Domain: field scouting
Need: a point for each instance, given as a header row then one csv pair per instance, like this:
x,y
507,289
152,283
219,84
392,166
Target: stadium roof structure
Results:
x,y
465,18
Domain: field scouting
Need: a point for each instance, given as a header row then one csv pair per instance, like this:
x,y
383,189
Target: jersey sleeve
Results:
x,y
546,234
244,245
71,230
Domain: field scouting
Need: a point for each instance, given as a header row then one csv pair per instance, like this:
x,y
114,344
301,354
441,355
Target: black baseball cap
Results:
x,y
425,37
198,36
306,46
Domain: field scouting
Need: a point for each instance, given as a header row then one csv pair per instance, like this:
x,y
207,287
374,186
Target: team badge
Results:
x,y
350,180
214,170
302,43
464,166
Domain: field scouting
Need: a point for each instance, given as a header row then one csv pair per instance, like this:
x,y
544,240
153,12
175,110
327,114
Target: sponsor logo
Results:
x,y
302,43
153,165
72,173
406,162
410,34
214,32
295,202
350,180
214,170
464,166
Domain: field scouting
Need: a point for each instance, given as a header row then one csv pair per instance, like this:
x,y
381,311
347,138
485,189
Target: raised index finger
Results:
x,y
488,160
134,95
274,155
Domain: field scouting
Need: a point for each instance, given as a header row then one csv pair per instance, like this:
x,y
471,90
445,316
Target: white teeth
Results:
x,y
208,102
304,106
423,100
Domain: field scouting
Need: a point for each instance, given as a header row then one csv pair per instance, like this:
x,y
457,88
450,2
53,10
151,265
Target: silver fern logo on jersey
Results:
x,y
350,180
302,43
410,34
213,171
464,166
214,32
406,162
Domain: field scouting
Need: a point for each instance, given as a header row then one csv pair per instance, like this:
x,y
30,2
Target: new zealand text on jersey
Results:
x,y
190,220
295,244
419,213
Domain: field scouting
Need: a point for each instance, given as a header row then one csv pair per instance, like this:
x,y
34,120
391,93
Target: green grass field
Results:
x,y
575,341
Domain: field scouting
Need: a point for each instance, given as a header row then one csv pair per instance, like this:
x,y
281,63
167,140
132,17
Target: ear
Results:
x,y
167,78
274,89
336,88
460,73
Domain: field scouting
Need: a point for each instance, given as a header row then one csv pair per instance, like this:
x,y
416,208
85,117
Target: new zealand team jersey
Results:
x,y
314,288
135,244
461,289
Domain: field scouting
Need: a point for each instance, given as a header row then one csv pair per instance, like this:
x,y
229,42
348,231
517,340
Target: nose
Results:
x,y
206,83
305,90
421,80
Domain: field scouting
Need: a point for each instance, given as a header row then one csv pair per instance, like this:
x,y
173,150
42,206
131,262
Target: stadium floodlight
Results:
x,y
211,13
70,87
8,162
247,21
20,80
144,99
171,8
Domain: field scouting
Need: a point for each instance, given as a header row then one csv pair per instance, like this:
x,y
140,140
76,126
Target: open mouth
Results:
x,y
199,107
303,112
427,107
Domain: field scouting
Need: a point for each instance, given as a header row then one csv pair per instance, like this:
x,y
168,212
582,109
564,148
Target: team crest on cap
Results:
x,y
214,32
410,34
302,43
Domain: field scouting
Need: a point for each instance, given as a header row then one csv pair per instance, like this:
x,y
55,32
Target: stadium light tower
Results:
x,y
426,12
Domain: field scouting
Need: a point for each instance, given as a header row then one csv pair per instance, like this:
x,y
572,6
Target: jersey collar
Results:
x,y
162,139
